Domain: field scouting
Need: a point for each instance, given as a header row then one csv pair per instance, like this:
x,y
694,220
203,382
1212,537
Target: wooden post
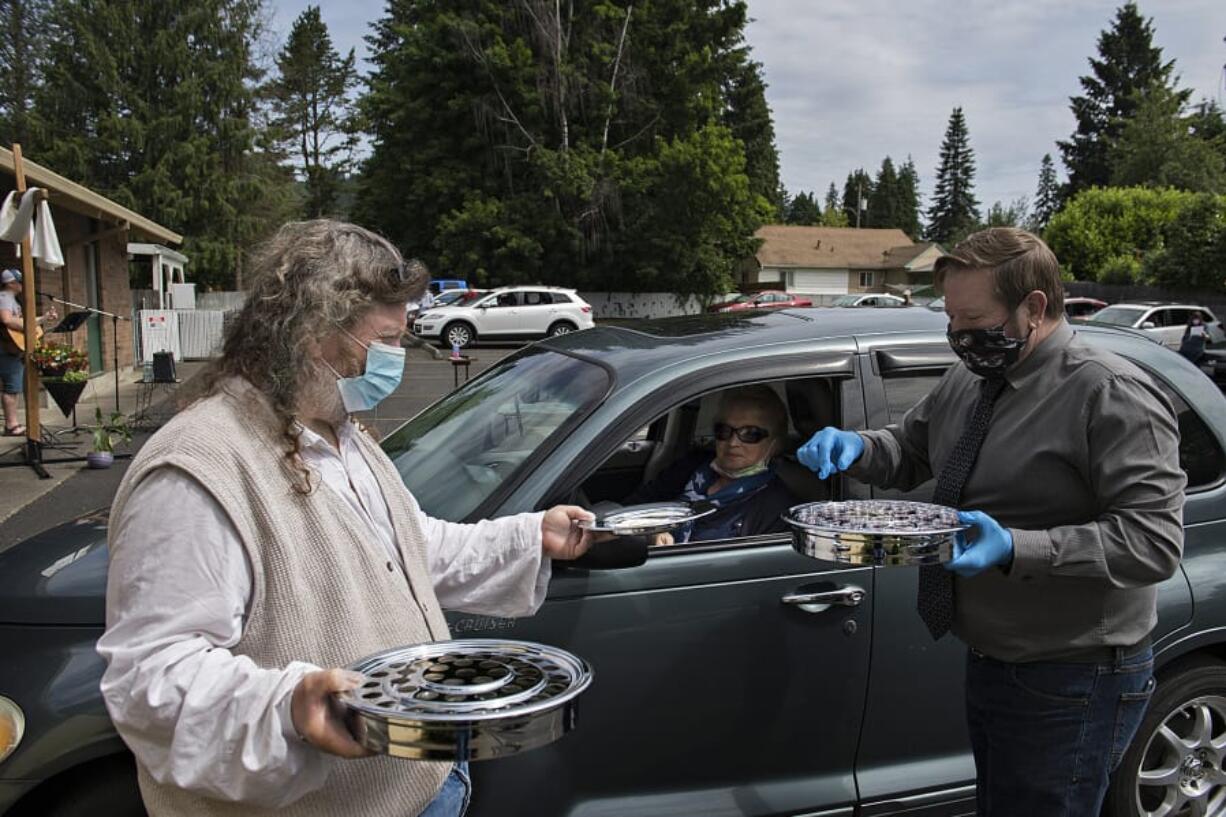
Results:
x,y
29,304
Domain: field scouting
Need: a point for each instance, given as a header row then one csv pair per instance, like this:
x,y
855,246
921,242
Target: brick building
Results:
x,y
94,233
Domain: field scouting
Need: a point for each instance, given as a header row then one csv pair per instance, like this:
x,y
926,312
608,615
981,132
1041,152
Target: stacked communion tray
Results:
x,y
465,700
884,532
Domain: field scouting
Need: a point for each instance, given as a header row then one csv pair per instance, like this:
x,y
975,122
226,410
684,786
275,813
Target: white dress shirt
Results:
x,y
204,719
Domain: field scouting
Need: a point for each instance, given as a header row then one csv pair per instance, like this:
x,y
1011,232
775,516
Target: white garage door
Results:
x,y
819,282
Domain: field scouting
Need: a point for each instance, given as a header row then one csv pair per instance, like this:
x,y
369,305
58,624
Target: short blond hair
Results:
x,y
1019,261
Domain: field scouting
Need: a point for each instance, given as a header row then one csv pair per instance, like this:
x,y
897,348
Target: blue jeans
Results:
x,y
1047,735
452,799
12,373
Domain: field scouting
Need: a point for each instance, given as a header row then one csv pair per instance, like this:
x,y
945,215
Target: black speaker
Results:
x,y
164,367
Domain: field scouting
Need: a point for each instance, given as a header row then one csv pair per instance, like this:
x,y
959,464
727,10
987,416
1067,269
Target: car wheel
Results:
x,y
560,328
459,334
1175,763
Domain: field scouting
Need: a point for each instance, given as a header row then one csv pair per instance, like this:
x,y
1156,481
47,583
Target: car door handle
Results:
x,y
846,596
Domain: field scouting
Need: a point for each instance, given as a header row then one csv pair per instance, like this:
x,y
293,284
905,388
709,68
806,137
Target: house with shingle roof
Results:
x,y
826,262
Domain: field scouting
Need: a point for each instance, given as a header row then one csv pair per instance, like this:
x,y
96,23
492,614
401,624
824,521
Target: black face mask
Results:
x,y
986,352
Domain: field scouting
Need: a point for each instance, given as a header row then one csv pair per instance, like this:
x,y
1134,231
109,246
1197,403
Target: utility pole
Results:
x,y
859,202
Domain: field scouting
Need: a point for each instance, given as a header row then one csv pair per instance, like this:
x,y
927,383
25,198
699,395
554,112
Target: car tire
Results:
x,y
561,328
459,334
1167,740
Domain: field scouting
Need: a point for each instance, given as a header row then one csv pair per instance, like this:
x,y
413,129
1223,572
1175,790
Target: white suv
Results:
x,y
1165,322
509,313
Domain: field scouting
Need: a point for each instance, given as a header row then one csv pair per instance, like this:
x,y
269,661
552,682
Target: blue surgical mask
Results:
x,y
384,368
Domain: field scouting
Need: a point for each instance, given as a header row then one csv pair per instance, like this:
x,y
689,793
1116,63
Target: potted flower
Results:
x,y
106,433
63,370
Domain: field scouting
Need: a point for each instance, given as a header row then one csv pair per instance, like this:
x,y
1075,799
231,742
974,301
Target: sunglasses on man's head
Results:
x,y
746,434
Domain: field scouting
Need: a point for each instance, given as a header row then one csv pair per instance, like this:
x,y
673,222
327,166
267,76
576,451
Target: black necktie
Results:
x,y
935,600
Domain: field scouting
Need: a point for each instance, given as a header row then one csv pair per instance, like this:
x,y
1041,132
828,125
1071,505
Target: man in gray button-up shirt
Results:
x,y
1075,498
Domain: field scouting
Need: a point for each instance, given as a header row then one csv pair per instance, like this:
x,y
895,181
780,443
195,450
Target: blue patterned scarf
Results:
x,y
735,492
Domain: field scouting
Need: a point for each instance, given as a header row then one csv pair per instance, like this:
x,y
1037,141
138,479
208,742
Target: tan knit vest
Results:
x,y
323,588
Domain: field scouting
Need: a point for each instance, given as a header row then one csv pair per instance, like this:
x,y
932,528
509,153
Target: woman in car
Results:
x,y
750,428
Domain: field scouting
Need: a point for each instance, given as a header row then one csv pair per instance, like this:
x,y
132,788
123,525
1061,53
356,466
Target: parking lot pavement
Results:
x,y
29,505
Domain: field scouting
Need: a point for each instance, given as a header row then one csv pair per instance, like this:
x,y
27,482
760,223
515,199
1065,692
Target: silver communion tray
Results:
x,y
884,532
650,517
472,699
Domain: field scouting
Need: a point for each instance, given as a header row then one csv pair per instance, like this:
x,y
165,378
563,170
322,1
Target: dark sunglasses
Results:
x,y
746,434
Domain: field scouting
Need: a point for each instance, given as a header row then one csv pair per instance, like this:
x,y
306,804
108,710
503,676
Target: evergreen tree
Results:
x,y
529,141
955,211
1158,147
909,200
749,118
885,202
23,37
152,103
1128,63
833,215
803,209
1047,195
312,110
856,191
1014,214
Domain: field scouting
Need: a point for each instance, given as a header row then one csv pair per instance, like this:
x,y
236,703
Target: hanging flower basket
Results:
x,y
65,393
56,360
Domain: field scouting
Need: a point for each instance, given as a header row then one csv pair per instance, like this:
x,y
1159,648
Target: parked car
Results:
x,y
508,313
1165,322
937,305
869,299
766,299
1079,307
712,695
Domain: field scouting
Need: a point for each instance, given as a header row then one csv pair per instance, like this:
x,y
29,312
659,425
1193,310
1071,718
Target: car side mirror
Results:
x,y
1149,325
613,554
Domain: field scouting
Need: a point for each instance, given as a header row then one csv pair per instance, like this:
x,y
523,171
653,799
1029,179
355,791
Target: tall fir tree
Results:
x,y
803,209
165,123
23,38
955,211
1046,196
832,214
909,200
528,141
1128,63
884,204
313,110
748,116
1160,147
856,192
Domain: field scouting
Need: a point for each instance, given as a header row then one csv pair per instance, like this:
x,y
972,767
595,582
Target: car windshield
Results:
x,y
449,297
1118,315
846,300
460,450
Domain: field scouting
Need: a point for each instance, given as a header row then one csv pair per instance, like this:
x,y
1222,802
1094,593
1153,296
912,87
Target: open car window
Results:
x,y
659,462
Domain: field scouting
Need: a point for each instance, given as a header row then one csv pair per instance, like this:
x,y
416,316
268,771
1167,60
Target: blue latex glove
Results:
x,y
990,545
830,451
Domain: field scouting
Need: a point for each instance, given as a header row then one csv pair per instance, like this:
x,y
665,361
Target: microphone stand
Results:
x,y
115,319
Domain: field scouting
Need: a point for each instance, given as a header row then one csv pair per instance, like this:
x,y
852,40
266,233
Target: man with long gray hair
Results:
x,y
261,540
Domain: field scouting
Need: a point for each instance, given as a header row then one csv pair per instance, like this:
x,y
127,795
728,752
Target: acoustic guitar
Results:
x,y
15,341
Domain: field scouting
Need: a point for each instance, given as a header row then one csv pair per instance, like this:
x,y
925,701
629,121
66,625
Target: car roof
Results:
x,y
533,287
648,345
1157,304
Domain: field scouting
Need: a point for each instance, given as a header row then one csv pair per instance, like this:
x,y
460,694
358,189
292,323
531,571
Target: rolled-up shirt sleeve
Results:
x,y
196,715
494,567
1136,538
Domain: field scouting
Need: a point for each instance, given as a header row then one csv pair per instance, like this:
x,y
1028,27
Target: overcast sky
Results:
x,y
852,81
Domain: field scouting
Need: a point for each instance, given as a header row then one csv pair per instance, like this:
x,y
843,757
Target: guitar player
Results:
x,y
12,368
